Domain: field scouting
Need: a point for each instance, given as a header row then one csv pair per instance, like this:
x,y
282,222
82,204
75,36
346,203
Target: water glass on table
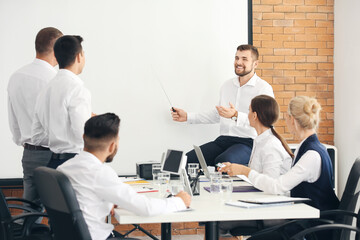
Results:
x,y
226,185
163,180
215,179
176,187
156,169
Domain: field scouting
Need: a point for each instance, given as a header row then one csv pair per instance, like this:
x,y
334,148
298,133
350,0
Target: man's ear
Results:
x,y
256,63
112,146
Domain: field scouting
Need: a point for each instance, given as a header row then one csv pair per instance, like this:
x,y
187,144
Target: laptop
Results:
x,y
203,164
202,161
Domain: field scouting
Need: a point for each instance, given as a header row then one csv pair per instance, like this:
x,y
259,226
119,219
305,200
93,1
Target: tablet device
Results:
x,y
173,162
186,182
202,161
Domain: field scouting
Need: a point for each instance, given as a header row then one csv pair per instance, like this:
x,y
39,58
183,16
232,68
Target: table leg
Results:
x,y
211,231
166,231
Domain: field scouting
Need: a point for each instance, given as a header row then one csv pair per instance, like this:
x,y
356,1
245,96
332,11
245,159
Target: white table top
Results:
x,y
207,207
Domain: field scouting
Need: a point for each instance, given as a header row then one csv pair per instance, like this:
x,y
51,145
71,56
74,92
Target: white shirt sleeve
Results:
x,y
205,117
13,123
307,169
110,187
79,112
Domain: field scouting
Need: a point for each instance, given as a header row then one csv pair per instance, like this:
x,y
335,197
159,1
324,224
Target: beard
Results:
x,y
244,72
110,158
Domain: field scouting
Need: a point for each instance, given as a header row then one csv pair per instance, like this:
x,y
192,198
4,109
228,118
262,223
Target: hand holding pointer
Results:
x,y
178,115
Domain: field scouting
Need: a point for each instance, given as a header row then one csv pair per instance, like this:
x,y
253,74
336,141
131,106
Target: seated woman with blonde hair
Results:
x,y
311,174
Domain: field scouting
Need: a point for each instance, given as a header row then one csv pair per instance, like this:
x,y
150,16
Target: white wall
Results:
x,y
347,85
189,45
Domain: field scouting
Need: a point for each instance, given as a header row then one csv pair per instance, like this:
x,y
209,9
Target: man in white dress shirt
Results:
x,y
97,185
236,135
63,107
23,89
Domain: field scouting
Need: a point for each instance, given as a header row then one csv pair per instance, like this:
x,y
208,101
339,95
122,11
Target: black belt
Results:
x,y
33,147
62,156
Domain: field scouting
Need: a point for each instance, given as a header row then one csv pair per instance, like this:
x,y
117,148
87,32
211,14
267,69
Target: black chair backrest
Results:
x,y
59,199
350,197
5,215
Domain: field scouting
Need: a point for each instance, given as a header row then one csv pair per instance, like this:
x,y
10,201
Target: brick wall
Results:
x,y
296,42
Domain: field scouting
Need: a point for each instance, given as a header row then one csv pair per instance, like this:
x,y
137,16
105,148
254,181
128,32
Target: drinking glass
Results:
x,y
226,185
193,170
163,179
156,169
215,179
176,187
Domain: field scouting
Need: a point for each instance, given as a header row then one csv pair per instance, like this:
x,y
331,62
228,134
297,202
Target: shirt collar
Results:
x,y
68,73
91,157
43,63
251,82
263,136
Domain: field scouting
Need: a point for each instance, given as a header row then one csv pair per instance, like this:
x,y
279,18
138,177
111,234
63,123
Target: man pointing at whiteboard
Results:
x,y
236,135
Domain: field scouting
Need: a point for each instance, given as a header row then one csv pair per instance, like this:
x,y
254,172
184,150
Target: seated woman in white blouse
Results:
x,y
270,154
312,171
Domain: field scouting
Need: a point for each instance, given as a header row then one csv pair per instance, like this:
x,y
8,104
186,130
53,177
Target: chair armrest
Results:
x,y
33,205
28,209
301,234
27,215
337,212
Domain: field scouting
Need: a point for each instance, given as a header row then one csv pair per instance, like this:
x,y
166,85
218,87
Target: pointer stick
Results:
x,y
162,87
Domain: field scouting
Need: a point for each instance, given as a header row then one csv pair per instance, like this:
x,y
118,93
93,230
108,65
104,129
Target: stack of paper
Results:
x,y
266,202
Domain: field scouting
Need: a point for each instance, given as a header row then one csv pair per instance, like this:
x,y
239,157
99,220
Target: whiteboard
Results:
x,y
129,45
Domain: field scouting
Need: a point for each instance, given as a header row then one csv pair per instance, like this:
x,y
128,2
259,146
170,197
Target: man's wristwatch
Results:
x,y
234,117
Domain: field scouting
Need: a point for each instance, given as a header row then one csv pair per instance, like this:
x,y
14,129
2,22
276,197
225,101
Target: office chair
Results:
x,y
21,226
58,196
339,221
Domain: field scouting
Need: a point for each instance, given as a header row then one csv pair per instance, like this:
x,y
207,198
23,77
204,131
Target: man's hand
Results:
x,y
226,112
112,212
179,115
234,169
185,197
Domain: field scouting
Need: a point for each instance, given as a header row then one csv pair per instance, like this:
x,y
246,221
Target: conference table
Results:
x,y
211,209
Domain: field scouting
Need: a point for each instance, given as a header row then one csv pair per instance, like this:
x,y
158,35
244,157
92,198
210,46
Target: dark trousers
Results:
x,y
224,149
58,159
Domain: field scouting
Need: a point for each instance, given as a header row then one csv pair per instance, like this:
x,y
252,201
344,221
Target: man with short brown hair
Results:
x,y
23,89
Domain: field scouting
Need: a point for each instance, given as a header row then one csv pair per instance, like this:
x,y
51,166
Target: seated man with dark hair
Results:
x,y
97,185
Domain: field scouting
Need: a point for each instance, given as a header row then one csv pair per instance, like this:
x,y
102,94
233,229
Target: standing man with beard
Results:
x,y
97,186
236,135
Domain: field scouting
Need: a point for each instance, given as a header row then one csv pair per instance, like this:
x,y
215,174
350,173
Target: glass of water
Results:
x,y
215,180
176,187
193,170
156,169
226,185
163,180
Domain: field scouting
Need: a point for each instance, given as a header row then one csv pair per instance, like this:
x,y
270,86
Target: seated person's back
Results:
x,y
97,185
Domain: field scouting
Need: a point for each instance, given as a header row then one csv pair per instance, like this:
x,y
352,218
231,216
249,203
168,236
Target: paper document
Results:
x,y
245,178
254,205
274,200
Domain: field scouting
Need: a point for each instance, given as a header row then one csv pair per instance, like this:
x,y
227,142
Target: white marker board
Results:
x,y
189,45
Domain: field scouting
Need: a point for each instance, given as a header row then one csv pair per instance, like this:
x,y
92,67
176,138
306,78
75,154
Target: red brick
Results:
x,y
309,94
272,30
295,30
284,51
305,80
263,22
273,58
267,37
284,65
265,51
271,2
293,2
283,80
304,23
274,72
328,80
316,30
295,87
283,23
294,15
295,59
305,37
306,66
306,52
317,16
306,9
277,87
325,66
315,2
317,73
284,94
315,44
263,8
282,8
272,44
297,73
294,45
273,16
283,37
264,65
316,59
316,87
326,51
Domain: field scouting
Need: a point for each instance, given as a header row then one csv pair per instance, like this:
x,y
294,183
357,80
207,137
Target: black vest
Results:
x,y
320,192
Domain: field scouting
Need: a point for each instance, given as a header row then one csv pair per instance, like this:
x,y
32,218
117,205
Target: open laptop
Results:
x,y
203,163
